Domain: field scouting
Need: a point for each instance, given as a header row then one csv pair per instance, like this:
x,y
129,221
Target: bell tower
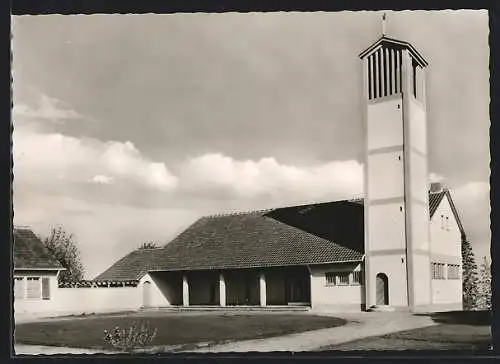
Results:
x,y
397,238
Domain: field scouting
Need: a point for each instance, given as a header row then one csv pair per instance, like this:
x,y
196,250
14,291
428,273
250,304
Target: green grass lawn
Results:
x,y
173,329
454,331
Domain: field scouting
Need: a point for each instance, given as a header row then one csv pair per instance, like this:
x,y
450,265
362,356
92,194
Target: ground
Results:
x,y
453,331
265,332
173,328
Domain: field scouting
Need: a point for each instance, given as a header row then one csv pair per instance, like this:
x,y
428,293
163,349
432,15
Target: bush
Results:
x,y
133,338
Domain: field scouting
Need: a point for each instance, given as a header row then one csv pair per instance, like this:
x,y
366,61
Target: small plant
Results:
x,y
132,338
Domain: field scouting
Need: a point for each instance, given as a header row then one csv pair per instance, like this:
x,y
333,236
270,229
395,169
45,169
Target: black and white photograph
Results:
x,y
251,182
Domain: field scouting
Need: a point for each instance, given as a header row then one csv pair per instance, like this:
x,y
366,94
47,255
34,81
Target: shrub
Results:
x,y
132,338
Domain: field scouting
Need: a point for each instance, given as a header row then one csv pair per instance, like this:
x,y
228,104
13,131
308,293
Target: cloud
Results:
x,y
267,177
47,109
57,159
473,204
434,178
102,179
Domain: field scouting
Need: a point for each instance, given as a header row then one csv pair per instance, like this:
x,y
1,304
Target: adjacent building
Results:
x,y
35,274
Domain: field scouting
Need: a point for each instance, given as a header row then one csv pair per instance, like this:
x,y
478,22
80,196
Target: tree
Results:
x,y
62,246
149,245
484,286
469,276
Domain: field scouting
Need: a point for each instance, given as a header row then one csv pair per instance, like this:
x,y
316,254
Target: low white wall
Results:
x,y
335,298
88,300
74,301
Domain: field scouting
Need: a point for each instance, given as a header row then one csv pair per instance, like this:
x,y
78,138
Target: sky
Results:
x,y
128,128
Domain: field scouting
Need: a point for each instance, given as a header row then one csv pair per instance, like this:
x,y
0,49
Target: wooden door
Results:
x,y
382,289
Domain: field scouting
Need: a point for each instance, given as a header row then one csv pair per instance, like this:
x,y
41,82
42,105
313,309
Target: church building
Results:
x,y
398,248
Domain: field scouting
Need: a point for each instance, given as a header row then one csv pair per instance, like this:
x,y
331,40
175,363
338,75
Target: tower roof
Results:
x,y
391,43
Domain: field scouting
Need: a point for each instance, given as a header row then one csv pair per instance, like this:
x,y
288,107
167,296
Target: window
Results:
x,y
453,271
357,277
442,221
337,278
18,288
33,288
446,225
437,270
46,288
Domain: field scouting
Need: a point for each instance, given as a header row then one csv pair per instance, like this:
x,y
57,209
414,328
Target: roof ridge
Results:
x,y
265,210
239,213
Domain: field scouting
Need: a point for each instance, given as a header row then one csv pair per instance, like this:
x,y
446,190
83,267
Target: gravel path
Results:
x,y
361,325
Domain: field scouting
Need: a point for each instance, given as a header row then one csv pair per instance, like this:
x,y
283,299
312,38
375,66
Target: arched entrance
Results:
x,y
382,289
146,294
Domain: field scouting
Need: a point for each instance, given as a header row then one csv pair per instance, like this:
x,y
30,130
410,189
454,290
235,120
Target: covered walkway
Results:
x,y
281,286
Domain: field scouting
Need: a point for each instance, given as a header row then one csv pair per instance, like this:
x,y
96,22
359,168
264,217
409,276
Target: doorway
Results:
x,y
382,289
146,294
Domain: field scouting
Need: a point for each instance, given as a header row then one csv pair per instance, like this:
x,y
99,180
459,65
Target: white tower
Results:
x,y
397,238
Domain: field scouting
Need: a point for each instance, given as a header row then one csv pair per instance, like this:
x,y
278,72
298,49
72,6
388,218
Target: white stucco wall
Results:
x,y
445,241
418,176
68,301
159,291
386,225
335,298
94,300
394,267
385,175
420,227
446,248
25,306
418,126
385,126
422,279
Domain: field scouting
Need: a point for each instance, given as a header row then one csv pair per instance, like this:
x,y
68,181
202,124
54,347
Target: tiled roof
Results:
x,y
298,235
435,199
132,266
285,236
30,253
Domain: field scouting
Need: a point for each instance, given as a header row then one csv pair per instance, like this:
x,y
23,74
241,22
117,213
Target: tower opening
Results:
x,y
384,72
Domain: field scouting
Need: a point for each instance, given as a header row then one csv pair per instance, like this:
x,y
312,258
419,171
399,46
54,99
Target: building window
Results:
x,y
46,288
453,271
442,221
437,270
357,277
446,224
33,288
19,288
337,278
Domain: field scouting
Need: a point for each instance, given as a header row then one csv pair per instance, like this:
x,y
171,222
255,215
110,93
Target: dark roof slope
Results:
x,y
131,267
298,235
30,253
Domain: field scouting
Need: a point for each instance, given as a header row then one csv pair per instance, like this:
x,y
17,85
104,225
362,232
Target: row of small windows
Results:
x,y
32,288
344,278
439,270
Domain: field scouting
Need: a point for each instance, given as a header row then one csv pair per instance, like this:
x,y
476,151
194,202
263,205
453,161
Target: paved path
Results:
x,y
364,324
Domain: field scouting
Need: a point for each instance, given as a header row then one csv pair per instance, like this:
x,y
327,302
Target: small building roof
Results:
x,y
321,233
30,253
